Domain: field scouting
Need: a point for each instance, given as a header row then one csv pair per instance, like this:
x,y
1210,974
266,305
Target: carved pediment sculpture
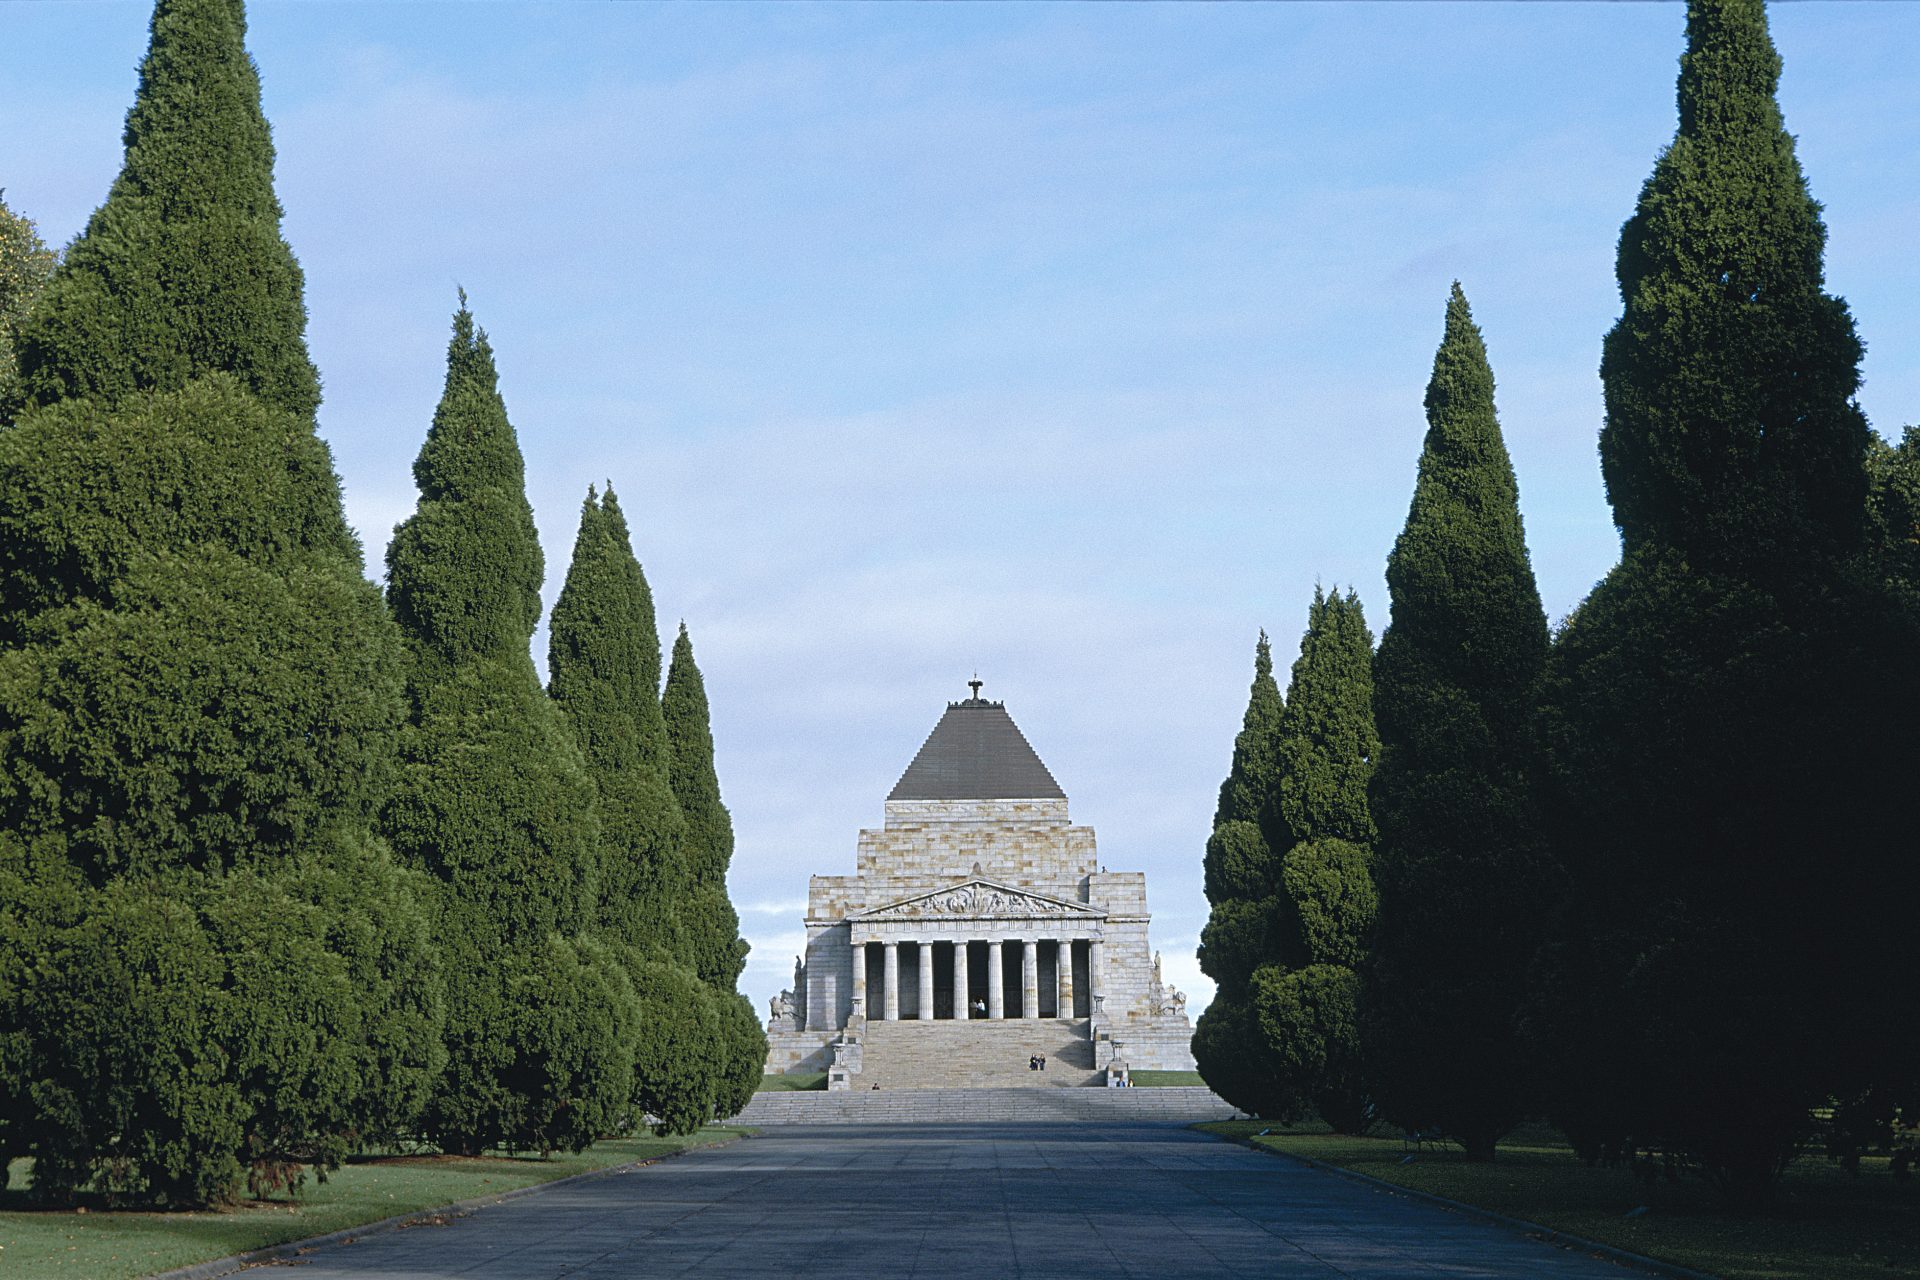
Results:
x,y
982,899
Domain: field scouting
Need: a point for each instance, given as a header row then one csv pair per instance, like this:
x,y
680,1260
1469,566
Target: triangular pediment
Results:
x,y
982,900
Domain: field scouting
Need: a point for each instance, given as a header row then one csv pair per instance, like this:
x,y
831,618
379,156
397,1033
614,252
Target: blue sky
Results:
x,y
1071,343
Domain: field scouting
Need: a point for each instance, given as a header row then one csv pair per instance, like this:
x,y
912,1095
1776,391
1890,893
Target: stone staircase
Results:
x,y
977,1054
1180,1105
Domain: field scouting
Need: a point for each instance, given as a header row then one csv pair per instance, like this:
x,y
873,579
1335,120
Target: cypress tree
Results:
x,y
1460,869
182,270
26,264
198,696
1728,713
1305,999
1242,881
712,925
1731,433
1286,870
495,801
603,665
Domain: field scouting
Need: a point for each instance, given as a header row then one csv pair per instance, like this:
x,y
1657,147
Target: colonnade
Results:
x,y
994,999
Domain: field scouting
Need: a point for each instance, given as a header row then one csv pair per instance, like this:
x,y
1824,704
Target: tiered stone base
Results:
x,y
976,1054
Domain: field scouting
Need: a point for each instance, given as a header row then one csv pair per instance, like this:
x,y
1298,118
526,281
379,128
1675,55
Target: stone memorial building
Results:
x,y
978,937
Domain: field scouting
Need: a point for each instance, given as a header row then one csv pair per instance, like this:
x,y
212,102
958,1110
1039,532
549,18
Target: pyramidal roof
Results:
x,y
976,752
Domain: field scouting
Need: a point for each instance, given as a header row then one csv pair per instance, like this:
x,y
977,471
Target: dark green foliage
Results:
x,y
1247,794
1731,434
1242,869
680,1064
1240,935
1327,743
225,975
572,1018
1309,1022
464,571
90,492
1722,765
1893,509
143,572
1729,716
197,693
603,663
1330,886
1242,880
26,264
746,1054
1306,1003
1280,1035
1460,871
494,800
1239,864
182,271
1221,1035
711,925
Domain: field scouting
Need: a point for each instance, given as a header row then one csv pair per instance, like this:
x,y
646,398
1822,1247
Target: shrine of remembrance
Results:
x,y
978,938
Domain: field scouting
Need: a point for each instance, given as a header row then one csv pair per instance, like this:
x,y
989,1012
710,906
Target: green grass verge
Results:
x,y
793,1082
96,1245
1828,1225
1165,1079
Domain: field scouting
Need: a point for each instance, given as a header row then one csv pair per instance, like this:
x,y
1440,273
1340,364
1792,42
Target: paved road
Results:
x,y
989,1201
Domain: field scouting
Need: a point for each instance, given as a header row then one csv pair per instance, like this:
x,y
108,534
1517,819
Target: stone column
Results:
x,y
1096,971
1030,979
962,998
923,955
859,980
891,1007
1064,963
996,979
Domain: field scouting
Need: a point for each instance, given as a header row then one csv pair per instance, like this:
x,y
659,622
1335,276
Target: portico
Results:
x,y
1008,973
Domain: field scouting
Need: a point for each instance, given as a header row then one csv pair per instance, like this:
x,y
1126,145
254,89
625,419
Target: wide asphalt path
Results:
x,y
990,1201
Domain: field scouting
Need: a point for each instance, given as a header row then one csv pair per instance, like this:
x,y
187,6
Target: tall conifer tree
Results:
x,y
26,264
1305,998
182,270
495,801
1242,880
713,926
198,701
1728,712
1731,435
604,663
1287,873
1463,890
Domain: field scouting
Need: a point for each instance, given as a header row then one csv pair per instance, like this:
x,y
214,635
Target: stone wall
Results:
x,y
928,845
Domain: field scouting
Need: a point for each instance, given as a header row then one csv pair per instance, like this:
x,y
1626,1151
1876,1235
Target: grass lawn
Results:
x,y
96,1245
793,1082
1828,1225
1165,1079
